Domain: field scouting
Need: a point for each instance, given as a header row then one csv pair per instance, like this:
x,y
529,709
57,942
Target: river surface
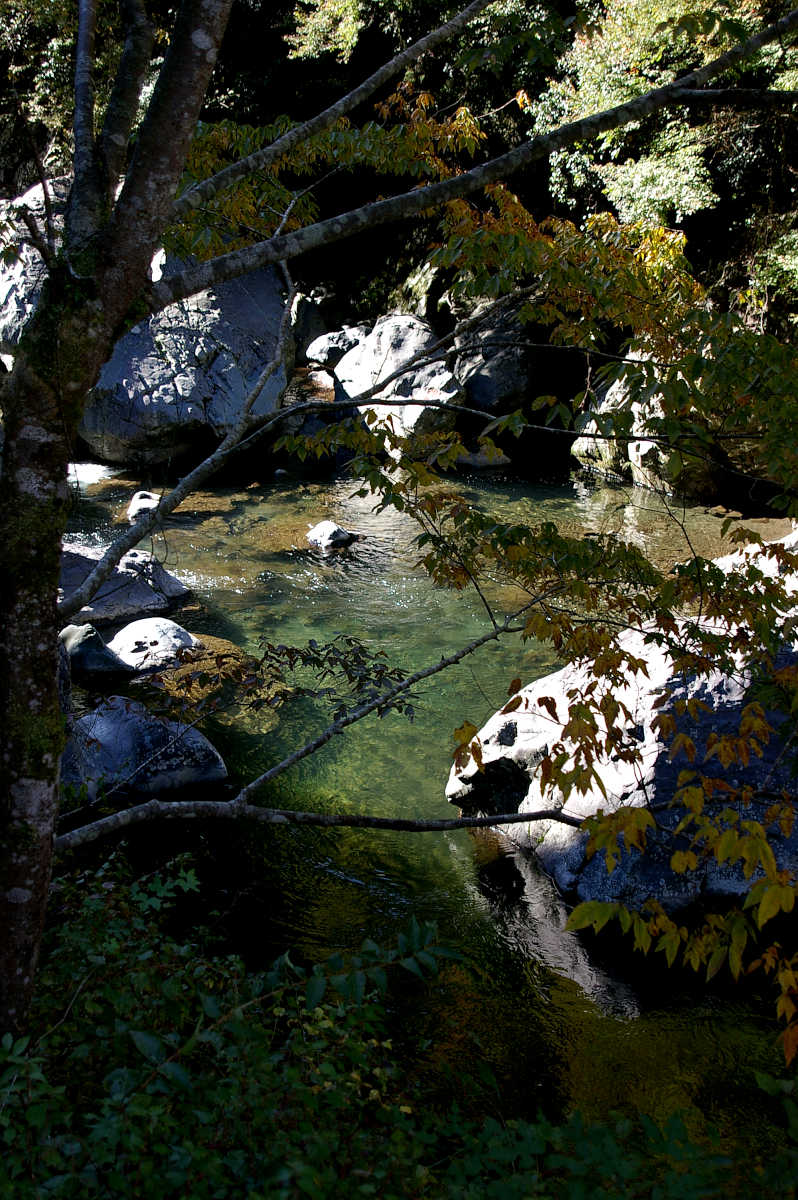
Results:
x,y
558,1028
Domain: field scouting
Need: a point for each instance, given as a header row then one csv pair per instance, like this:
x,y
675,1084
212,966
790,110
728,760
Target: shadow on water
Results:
x,y
558,1026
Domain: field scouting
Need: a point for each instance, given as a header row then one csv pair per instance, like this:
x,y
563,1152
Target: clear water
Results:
x,y
557,1027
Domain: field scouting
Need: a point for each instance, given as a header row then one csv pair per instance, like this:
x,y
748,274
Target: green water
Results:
x,y
559,1029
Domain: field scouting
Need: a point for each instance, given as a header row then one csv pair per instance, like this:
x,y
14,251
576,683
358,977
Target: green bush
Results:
x,y
166,1072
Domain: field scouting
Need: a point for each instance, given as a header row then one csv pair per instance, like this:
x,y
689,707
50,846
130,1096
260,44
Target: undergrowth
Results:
x,y
158,1069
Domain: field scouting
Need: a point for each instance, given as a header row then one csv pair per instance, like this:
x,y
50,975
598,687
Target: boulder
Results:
x,y
154,642
328,349
329,536
176,383
122,746
635,459
88,653
142,503
493,365
393,341
138,585
514,743
22,279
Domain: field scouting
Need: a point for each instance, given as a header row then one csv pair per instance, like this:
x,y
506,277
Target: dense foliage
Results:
x,y
165,1070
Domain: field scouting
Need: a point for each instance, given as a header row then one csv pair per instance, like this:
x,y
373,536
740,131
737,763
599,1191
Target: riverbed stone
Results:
x,y
139,585
329,536
152,643
513,745
124,747
88,653
328,349
141,504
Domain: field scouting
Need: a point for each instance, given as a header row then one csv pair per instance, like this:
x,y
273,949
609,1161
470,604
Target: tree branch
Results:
x,y
193,810
208,188
82,210
738,97
412,203
142,211
123,104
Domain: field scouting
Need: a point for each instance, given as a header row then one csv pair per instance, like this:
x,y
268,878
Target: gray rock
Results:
x,y
177,382
153,643
329,536
328,349
513,745
393,341
139,585
21,281
88,653
493,365
142,503
122,746
635,459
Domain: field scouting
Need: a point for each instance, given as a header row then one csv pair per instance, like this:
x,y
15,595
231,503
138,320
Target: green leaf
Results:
x,y
149,1045
314,992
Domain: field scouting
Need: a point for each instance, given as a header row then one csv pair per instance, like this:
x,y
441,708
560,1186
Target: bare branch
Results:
x,y
193,810
123,104
412,203
36,238
142,211
83,122
200,193
82,210
47,199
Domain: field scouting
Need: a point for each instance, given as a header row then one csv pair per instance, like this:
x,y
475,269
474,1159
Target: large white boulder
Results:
x,y
153,643
514,743
393,341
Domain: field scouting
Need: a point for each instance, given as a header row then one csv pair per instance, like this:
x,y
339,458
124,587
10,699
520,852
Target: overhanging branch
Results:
x,y
419,200
207,189
199,810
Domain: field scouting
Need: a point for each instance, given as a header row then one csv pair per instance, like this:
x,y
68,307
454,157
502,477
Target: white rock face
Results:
x,y
141,503
513,744
392,342
329,536
328,349
21,281
123,746
153,643
139,585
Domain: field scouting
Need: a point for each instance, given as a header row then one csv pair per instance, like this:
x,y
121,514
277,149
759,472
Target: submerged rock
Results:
x,y
329,536
122,747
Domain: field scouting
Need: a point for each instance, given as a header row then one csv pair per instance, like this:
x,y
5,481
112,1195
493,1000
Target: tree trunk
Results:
x,y
40,420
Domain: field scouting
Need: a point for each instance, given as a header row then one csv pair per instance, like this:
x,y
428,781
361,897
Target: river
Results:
x,y
558,1028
